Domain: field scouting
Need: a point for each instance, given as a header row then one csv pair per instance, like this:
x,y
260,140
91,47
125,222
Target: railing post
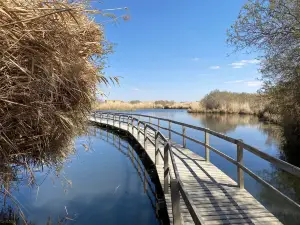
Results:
x,y
106,119
127,123
166,167
132,127
158,124
207,156
145,137
183,137
170,130
240,172
114,120
149,120
175,197
157,156
119,121
138,134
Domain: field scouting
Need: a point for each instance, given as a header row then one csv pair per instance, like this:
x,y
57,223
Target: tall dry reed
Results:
x,y
51,61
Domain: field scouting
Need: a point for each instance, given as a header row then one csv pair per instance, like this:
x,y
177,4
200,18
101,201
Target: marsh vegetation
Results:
x,y
137,104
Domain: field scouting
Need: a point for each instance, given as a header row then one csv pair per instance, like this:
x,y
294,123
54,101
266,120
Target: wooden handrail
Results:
x,y
241,146
278,162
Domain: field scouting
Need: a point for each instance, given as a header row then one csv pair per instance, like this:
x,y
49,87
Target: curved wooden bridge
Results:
x,y
196,191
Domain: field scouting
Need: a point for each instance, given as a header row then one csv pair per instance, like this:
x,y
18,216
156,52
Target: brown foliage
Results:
x,y
51,59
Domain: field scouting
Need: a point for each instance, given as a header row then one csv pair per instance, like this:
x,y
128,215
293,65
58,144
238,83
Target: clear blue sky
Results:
x,y
176,50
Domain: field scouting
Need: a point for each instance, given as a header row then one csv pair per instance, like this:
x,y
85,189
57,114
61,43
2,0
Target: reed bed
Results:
x,y
51,60
237,103
134,105
230,102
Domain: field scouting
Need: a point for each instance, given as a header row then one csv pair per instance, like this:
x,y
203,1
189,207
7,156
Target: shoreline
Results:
x,y
265,117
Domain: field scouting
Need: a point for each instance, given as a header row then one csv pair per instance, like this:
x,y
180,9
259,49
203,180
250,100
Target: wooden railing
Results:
x,y
138,122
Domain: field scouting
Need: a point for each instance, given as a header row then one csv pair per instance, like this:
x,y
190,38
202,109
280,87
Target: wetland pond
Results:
x,y
106,180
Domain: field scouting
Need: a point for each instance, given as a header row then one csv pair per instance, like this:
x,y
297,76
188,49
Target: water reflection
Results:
x,y
18,170
97,182
144,168
228,123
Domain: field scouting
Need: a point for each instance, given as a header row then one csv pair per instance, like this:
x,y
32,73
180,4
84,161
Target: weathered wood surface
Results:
x,y
217,197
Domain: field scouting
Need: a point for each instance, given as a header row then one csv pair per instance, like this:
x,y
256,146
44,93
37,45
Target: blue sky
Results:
x,y
176,50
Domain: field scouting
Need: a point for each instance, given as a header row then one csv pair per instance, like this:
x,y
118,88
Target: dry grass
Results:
x,y
133,105
51,60
230,102
237,103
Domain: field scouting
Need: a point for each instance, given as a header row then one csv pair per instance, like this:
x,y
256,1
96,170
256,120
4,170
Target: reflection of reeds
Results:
x,y
8,216
20,170
225,122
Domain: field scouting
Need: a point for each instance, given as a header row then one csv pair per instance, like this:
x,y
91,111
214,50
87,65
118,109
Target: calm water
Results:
x,y
103,181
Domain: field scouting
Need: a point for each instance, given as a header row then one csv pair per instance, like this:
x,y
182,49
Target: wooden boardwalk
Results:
x,y
217,198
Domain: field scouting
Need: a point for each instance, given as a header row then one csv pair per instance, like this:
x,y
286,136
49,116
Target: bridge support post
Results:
x,y
157,156
175,202
240,172
207,155
166,167
183,137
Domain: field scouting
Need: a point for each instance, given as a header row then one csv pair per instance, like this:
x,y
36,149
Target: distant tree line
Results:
x,y
135,101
